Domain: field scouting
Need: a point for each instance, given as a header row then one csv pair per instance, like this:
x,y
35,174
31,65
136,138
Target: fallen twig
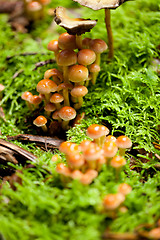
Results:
x,y
47,142
43,63
13,152
17,73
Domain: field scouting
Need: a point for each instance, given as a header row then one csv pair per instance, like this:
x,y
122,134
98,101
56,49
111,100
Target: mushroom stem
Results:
x,y
65,125
109,32
44,128
79,104
65,73
94,78
66,97
79,41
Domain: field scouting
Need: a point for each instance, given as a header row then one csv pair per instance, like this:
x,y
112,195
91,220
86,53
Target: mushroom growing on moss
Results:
x,y
107,5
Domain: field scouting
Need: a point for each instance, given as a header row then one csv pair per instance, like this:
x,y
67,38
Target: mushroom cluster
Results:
x,y
62,90
85,160
114,201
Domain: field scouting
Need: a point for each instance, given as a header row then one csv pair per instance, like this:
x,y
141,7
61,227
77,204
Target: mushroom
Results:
x,y
78,74
109,149
27,96
94,70
66,114
49,108
34,10
46,86
53,46
123,142
79,92
124,188
117,162
41,121
112,201
98,46
67,41
98,133
57,98
107,5
56,75
74,26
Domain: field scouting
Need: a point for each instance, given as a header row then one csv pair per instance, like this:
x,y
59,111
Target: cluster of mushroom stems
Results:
x,y
63,88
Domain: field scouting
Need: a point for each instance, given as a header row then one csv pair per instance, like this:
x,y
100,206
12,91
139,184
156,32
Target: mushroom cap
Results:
x,y
40,121
27,96
75,159
86,57
67,113
94,68
77,73
55,115
62,169
66,57
53,73
56,98
113,200
93,152
73,25
45,2
117,162
111,138
110,149
53,46
34,6
79,91
98,45
67,41
76,174
50,107
124,188
36,100
99,4
46,86
88,177
154,233
123,142
95,131
86,42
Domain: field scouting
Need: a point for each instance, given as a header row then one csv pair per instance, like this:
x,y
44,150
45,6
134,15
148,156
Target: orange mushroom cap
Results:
x,y
77,73
86,57
46,86
110,149
117,162
123,142
66,57
98,45
40,121
124,188
113,201
95,131
67,41
67,113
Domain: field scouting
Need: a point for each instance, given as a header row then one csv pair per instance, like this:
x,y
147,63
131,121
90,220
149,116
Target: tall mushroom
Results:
x,y
107,5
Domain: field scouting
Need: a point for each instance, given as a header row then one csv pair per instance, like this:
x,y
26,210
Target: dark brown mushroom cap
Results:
x,y
99,4
73,25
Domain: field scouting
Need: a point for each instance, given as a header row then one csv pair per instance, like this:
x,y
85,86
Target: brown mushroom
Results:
x,y
74,26
66,114
79,92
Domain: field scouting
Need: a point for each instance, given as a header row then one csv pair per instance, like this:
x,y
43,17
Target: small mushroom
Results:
x,y
123,142
78,74
66,114
98,133
41,121
94,70
74,26
110,149
53,46
45,87
79,92
57,98
67,41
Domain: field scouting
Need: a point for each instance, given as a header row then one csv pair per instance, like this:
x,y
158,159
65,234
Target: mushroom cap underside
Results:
x,y
99,4
73,25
